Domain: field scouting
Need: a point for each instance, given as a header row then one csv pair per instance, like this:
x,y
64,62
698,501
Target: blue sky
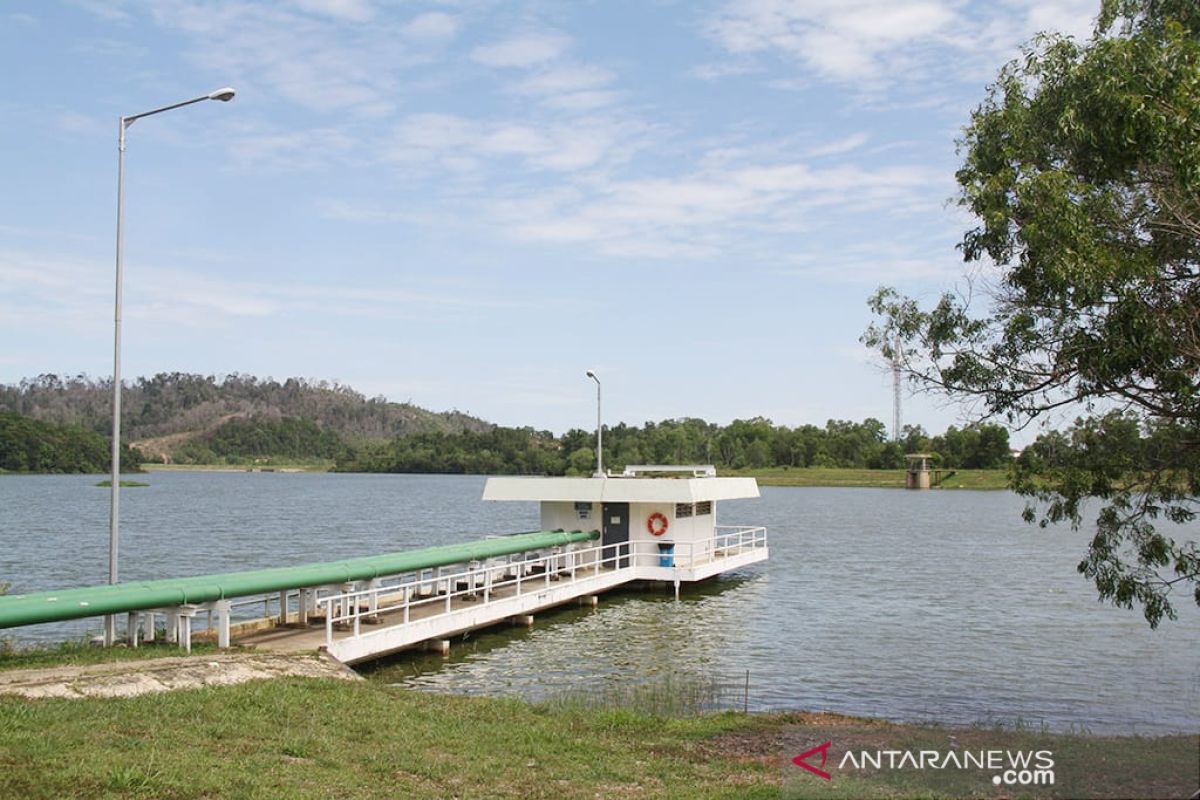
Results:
x,y
467,204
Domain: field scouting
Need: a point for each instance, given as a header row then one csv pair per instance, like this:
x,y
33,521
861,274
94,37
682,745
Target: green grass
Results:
x,y
876,478
309,738
82,652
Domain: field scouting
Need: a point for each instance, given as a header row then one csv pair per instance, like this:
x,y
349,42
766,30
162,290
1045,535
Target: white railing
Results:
x,y
478,584
535,571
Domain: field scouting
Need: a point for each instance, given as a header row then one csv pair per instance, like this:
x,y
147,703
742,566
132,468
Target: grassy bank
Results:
x,y
874,478
321,738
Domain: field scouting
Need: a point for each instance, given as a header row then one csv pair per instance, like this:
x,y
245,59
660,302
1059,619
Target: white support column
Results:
x,y
185,627
173,626
131,628
328,624
349,604
224,609
283,607
148,626
373,586
307,601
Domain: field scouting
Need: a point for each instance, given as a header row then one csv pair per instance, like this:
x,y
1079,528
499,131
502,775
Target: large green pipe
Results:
x,y
92,601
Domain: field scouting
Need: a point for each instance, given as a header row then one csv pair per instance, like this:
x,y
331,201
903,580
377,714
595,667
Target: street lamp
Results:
x,y
224,95
599,440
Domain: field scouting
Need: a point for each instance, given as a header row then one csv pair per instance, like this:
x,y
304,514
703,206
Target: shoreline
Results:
x,y
798,477
304,737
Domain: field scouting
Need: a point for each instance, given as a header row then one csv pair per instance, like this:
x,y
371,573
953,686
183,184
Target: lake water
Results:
x,y
905,605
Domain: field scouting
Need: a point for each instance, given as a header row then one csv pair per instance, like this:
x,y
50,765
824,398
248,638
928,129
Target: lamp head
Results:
x,y
224,95
592,375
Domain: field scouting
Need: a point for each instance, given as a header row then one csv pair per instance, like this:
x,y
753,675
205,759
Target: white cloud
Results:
x,y
110,10
565,79
722,69
849,143
839,39
251,146
348,10
432,25
460,143
322,64
873,44
522,51
73,122
77,293
706,214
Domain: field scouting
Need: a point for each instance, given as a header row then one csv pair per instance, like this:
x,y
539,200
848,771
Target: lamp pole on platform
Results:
x,y
599,434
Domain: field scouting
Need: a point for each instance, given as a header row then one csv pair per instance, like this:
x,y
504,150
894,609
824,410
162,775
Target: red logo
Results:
x,y
802,761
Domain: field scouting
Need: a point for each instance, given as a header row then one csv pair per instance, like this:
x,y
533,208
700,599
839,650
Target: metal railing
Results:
x,y
474,583
478,584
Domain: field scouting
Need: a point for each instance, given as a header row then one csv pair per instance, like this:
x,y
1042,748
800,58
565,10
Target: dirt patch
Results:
x,y
128,678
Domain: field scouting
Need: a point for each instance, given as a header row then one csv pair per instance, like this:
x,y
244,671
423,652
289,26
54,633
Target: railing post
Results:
x,y
328,622
407,602
357,616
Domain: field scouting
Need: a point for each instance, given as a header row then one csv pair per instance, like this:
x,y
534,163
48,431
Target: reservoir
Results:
x,y
939,606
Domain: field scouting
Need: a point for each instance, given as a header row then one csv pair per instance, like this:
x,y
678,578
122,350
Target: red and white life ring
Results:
x,y
656,519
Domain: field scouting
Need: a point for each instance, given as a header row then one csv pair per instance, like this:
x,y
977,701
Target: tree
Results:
x,y
1083,169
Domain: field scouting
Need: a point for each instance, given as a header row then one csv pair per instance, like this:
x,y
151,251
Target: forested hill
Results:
x,y
177,407
242,420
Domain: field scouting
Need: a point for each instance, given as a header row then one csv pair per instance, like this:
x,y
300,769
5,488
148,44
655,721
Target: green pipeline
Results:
x,y
55,606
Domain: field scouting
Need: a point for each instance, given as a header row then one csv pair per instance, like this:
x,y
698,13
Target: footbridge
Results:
x,y
364,608
653,523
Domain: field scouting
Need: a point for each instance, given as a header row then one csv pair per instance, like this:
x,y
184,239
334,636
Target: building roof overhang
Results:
x,y
620,490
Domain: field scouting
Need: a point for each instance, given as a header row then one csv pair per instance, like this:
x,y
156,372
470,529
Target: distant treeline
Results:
x,y
180,403
28,445
754,443
420,441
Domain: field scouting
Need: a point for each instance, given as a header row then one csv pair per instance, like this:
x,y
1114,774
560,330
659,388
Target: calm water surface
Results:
x,y
906,605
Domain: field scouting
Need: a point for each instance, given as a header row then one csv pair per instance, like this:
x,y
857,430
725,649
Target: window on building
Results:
x,y
683,510
704,508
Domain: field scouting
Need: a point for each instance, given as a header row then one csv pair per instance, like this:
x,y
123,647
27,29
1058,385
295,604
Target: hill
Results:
x,y
165,414
29,445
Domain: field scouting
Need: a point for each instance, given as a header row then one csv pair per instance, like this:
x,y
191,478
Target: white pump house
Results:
x,y
660,521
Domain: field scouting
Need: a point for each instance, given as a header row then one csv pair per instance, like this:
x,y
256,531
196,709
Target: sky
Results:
x,y
466,205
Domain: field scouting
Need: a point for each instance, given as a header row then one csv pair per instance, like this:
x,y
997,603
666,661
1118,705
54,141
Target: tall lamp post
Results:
x,y
599,440
224,95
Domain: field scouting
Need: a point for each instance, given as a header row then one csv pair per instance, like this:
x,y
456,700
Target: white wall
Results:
x,y
557,515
